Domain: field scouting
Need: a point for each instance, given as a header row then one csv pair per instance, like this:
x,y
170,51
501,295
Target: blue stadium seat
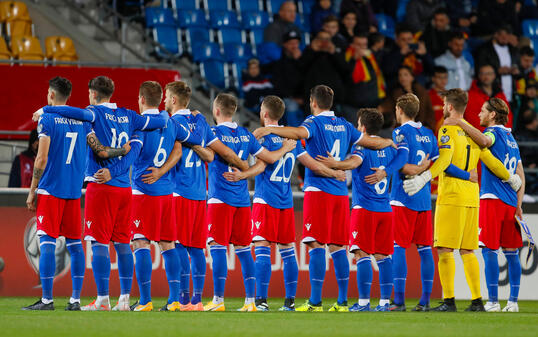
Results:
x,y
256,36
248,6
530,28
268,52
203,51
237,52
219,19
222,5
185,4
191,18
303,22
156,16
274,5
231,35
237,71
168,38
216,72
385,25
401,10
197,35
255,19
304,7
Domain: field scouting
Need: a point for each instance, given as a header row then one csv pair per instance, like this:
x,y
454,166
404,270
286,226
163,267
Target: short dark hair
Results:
x,y
104,86
330,18
227,103
323,95
440,70
440,10
403,28
61,86
410,105
500,108
181,90
456,35
152,92
527,51
505,28
457,97
374,38
362,35
275,106
371,119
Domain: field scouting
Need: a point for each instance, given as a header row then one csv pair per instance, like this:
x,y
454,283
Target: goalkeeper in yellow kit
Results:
x,y
456,213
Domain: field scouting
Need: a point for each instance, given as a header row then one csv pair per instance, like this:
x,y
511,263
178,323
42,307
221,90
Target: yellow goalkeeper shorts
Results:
x,y
456,227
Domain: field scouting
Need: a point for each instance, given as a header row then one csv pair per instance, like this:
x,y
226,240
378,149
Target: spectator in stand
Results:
x,y
419,13
376,43
320,11
461,14
529,154
283,23
407,84
526,69
330,25
482,89
288,79
348,26
22,168
437,33
255,85
322,65
528,101
459,69
406,51
366,86
503,56
439,81
496,13
366,21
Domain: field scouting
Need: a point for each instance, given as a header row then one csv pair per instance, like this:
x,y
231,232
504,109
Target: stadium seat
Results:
x,y
304,7
268,52
206,51
216,72
303,22
13,10
255,20
26,48
274,5
401,10
256,36
191,18
237,72
168,37
237,52
530,28
220,18
5,54
219,5
60,48
156,16
385,25
248,6
197,35
185,4
231,35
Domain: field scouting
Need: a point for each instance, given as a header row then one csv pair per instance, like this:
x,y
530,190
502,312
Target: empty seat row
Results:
x,y
272,6
58,48
14,15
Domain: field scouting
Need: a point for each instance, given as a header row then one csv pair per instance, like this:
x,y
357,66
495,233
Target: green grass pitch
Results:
x,y
15,322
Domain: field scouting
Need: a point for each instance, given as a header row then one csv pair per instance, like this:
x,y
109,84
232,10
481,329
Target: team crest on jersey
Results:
x,y
137,223
445,139
257,224
400,138
40,218
39,128
89,224
354,234
308,225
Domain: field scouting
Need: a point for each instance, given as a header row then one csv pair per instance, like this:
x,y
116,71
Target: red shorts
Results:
x,y
498,226
107,213
371,232
58,217
191,222
273,224
326,218
153,218
228,224
412,227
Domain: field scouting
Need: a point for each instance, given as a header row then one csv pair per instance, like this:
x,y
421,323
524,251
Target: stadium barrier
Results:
x,y
20,252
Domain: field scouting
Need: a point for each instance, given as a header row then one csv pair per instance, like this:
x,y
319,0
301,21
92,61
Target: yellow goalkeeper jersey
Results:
x,y
456,147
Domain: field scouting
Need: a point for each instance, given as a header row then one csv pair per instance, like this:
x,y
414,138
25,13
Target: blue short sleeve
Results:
x,y
299,149
358,151
43,127
308,124
355,135
254,146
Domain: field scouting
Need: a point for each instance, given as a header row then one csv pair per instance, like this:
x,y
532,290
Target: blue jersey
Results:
x,y
273,185
156,148
374,198
190,172
506,150
420,142
243,143
328,134
64,173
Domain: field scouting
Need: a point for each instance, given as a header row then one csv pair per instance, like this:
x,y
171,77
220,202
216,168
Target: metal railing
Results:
x,y
15,150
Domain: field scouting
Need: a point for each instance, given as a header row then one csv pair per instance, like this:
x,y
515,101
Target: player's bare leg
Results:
x,y
341,271
316,269
447,270
472,274
173,271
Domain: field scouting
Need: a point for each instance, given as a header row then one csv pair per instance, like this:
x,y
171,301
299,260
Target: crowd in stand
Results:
x,y
438,46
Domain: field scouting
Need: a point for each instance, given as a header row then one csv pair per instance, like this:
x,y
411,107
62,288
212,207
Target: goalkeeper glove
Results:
x,y
514,181
413,185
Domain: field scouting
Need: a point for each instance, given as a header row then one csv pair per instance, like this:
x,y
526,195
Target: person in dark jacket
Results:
x,y
419,13
366,21
330,25
437,33
255,85
348,26
282,24
22,168
496,13
320,11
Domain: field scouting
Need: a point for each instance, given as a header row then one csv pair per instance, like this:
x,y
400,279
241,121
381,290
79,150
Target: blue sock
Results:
x,y
248,270
77,265
172,268
291,271
341,271
184,280
399,273
143,274
427,271
316,269
101,267
514,273
364,277
491,266
220,268
125,267
47,264
263,271
385,278
198,267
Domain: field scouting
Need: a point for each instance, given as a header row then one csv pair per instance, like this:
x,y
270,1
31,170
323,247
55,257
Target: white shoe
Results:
x,y
122,305
97,306
511,307
492,306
